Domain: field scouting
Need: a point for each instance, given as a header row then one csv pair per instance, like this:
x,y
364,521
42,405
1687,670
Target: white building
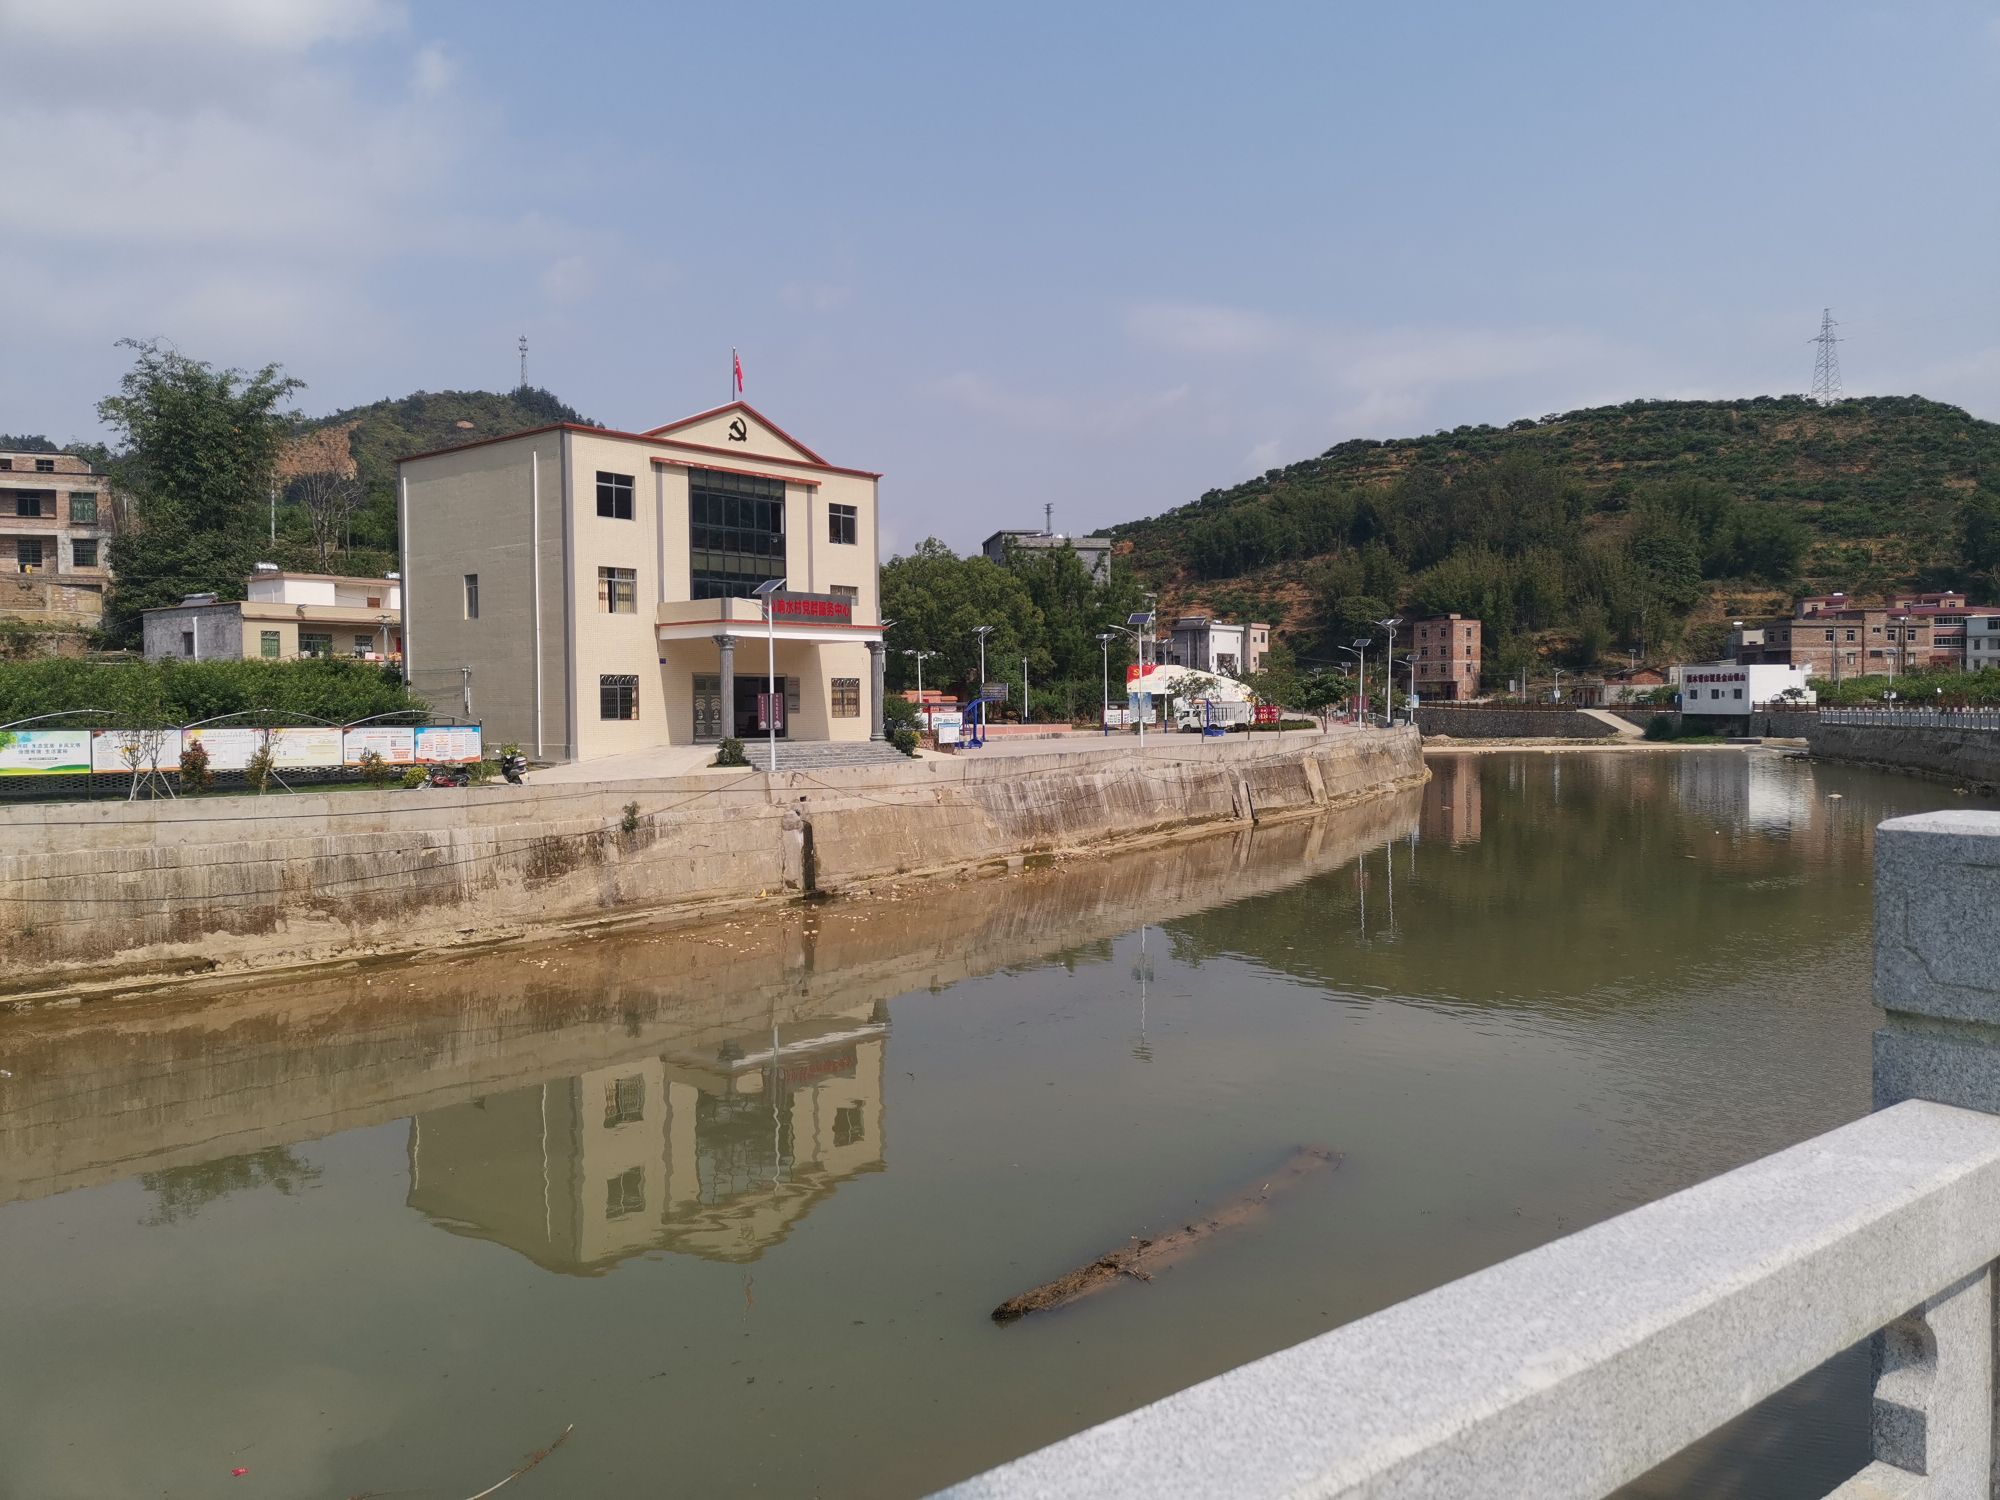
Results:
x,y
1727,689
1210,645
1982,642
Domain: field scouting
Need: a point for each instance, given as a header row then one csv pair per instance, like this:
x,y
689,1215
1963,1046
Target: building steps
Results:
x,y
823,755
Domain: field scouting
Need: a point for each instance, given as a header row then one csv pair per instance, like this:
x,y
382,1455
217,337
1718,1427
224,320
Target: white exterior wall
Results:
x,y
1728,688
1982,642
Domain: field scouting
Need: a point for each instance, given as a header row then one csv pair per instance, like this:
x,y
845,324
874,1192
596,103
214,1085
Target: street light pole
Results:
x,y
1389,671
982,631
1104,641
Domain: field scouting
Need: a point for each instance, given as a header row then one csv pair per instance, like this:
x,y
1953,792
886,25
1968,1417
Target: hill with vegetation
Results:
x,y
378,434
1590,534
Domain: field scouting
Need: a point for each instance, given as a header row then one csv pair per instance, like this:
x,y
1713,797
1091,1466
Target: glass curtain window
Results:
x,y
736,533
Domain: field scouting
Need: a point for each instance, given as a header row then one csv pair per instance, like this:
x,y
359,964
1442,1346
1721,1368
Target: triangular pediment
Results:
x,y
738,427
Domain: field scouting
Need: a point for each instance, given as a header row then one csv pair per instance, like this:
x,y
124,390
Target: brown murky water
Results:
x,y
736,1202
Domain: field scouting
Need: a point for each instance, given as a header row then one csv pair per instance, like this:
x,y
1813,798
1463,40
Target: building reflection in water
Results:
x,y
1452,800
715,1153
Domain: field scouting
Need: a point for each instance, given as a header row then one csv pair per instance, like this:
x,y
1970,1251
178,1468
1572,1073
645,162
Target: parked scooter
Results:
x,y
514,768
447,775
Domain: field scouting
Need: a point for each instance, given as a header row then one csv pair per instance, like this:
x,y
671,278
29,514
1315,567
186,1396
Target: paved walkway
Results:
x,y
692,760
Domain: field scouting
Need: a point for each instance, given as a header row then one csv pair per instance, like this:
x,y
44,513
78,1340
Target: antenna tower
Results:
x,y
1826,364
524,359
1048,519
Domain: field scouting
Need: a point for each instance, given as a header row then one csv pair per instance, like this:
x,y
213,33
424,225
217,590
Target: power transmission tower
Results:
x,y
524,359
1826,364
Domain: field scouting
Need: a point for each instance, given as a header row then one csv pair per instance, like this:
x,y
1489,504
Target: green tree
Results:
x,y
938,598
197,449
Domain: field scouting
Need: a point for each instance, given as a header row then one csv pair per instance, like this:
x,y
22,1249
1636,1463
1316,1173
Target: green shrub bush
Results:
x,y
730,753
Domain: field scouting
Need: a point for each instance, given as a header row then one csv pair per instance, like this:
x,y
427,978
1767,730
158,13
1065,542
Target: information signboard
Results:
x,y
994,692
114,749
947,725
45,752
229,749
395,743
456,744
1267,713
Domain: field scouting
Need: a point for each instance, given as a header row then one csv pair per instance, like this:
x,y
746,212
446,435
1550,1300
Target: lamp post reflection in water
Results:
x,y
1142,971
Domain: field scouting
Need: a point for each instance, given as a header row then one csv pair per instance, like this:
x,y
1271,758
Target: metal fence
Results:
x,y
1915,718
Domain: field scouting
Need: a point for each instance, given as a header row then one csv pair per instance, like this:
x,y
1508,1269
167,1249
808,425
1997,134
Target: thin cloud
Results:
x,y
1057,414
247,25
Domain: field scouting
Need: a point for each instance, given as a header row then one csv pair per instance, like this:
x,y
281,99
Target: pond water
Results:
x,y
737,1201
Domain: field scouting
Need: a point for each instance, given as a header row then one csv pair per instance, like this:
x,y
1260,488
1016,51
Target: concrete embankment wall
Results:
x,y
108,893
1512,723
1965,755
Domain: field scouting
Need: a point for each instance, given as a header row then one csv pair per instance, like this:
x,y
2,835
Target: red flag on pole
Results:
x,y
736,367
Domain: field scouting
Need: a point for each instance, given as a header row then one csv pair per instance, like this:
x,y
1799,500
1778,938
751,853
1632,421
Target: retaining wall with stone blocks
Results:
x,y
90,892
1968,755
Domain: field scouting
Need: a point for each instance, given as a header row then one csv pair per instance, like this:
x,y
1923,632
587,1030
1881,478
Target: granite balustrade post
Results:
x,y
1937,981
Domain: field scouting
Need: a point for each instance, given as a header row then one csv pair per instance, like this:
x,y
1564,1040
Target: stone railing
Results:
x,y
1575,1368
1914,718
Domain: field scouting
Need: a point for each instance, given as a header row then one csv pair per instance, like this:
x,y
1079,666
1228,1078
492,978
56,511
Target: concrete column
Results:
x,y
876,659
1937,980
726,646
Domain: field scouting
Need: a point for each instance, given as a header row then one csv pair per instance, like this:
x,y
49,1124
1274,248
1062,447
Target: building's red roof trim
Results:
x,y
633,437
663,461
746,407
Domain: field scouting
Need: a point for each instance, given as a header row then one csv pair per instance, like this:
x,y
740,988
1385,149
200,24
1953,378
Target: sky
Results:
x,y
1100,256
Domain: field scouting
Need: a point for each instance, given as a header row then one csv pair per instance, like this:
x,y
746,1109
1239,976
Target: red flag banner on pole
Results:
x,y
736,370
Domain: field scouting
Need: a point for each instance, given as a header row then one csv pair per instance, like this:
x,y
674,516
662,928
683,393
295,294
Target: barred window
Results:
x,y
267,644
625,1101
840,523
847,697
83,552
614,496
83,507
618,590
471,596
618,696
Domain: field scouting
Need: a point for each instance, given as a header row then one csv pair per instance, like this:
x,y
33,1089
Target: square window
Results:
x,y
83,552
841,523
267,644
614,496
618,696
850,592
618,591
45,466
28,554
6,463
28,503
847,697
363,644
471,596
83,507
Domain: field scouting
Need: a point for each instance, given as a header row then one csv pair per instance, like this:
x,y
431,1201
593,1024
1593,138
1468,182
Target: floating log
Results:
x,y
1140,1258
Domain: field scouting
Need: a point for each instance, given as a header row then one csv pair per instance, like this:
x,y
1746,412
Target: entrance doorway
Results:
x,y
748,690
707,708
